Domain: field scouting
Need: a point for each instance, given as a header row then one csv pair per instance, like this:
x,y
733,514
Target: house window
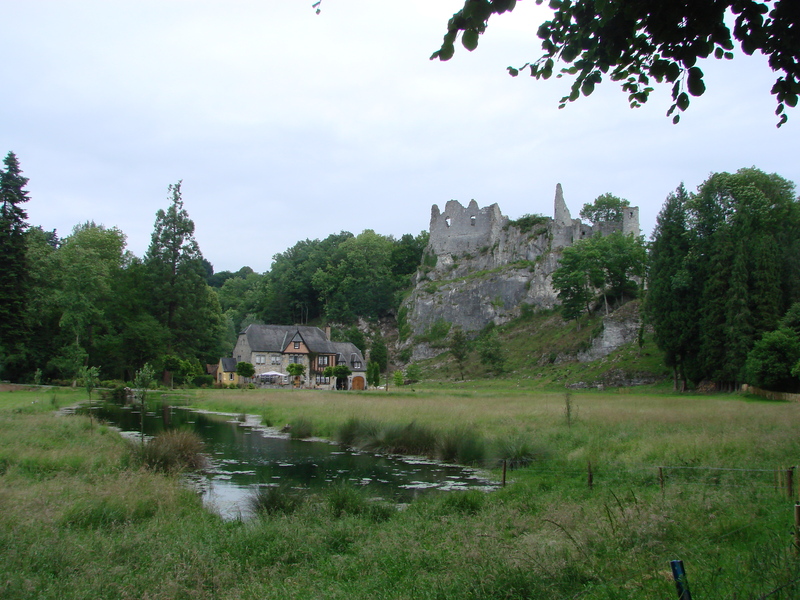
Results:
x,y
321,379
297,345
276,359
322,361
356,364
295,358
230,376
261,359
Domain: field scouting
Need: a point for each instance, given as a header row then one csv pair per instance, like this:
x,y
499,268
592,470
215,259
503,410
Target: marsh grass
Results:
x,y
463,445
273,500
171,451
301,428
79,522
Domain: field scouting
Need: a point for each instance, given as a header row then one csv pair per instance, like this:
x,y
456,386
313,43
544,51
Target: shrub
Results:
x,y
171,451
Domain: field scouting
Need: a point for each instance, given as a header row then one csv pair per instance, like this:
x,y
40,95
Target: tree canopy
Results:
x,y
724,271
642,43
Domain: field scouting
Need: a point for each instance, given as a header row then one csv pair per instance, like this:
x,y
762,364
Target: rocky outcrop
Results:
x,y
480,267
619,328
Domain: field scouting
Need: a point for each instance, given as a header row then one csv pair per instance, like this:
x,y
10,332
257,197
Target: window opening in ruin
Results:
x,y
447,221
472,220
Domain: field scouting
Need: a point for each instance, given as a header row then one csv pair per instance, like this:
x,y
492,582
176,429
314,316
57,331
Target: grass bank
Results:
x,y
80,521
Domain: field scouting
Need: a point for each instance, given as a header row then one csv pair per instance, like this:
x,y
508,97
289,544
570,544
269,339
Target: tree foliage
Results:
x,y
14,281
724,271
605,208
643,43
599,266
459,348
245,369
181,299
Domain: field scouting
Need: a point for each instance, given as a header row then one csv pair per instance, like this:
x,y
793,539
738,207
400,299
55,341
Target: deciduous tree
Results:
x,y
642,43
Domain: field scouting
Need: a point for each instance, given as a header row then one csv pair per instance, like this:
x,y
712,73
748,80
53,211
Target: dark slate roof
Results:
x,y
348,353
274,338
228,364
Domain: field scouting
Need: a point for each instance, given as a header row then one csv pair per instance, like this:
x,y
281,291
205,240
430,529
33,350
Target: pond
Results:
x,y
245,454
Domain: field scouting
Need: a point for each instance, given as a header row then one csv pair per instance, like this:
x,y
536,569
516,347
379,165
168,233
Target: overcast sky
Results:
x,y
286,125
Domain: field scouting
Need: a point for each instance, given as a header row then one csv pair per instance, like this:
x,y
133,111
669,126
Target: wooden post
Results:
x,y
590,476
790,482
797,527
505,464
681,583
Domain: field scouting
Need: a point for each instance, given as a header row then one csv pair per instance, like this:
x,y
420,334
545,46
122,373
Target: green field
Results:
x,y
78,520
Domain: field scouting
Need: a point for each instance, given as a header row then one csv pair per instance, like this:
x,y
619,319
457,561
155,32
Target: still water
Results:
x,y
245,454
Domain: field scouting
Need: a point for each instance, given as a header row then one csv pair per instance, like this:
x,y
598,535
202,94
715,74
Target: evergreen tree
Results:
x,y
379,353
181,298
13,274
670,304
720,276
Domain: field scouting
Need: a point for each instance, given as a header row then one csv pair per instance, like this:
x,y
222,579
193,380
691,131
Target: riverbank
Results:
x,y
78,522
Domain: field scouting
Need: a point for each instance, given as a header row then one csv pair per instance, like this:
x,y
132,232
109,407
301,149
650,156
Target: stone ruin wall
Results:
x,y
485,270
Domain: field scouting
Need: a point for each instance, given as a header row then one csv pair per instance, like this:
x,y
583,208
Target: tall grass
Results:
x,y
78,523
173,450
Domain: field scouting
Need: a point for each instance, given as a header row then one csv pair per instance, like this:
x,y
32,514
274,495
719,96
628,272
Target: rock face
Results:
x,y
619,328
480,267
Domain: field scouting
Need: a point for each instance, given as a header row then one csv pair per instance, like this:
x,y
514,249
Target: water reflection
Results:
x,y
244,455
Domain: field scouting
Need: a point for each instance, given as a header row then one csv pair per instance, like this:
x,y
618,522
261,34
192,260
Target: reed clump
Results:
x,y
171,451
274,500
301,428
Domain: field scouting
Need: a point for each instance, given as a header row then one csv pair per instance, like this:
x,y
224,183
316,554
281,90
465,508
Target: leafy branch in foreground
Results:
x,y
638,43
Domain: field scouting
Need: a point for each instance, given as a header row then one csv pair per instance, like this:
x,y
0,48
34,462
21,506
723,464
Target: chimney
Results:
x,y
328,332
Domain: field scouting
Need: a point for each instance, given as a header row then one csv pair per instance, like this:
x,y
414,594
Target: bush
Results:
x,y
203,380
172,451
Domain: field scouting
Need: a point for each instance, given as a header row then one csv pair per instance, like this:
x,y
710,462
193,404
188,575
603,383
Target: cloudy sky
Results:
x,y
286,125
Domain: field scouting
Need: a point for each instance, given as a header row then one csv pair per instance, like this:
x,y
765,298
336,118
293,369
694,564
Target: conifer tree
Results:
x,y
181,298
13,274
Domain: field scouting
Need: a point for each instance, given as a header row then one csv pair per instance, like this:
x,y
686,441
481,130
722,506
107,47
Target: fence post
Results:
x,y
681,583
590,477
797,527
790,482
504,472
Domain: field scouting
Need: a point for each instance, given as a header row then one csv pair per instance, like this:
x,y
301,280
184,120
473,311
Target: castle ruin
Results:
x,y
482,267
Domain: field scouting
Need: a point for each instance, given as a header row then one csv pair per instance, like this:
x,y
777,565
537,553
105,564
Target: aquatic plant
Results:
x,y
173,450
463,445
272,500
301,428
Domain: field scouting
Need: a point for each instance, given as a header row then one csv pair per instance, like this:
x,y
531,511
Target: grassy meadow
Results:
x,y
79,519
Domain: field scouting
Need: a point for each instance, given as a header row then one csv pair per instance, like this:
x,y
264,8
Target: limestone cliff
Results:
x,y
481,267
